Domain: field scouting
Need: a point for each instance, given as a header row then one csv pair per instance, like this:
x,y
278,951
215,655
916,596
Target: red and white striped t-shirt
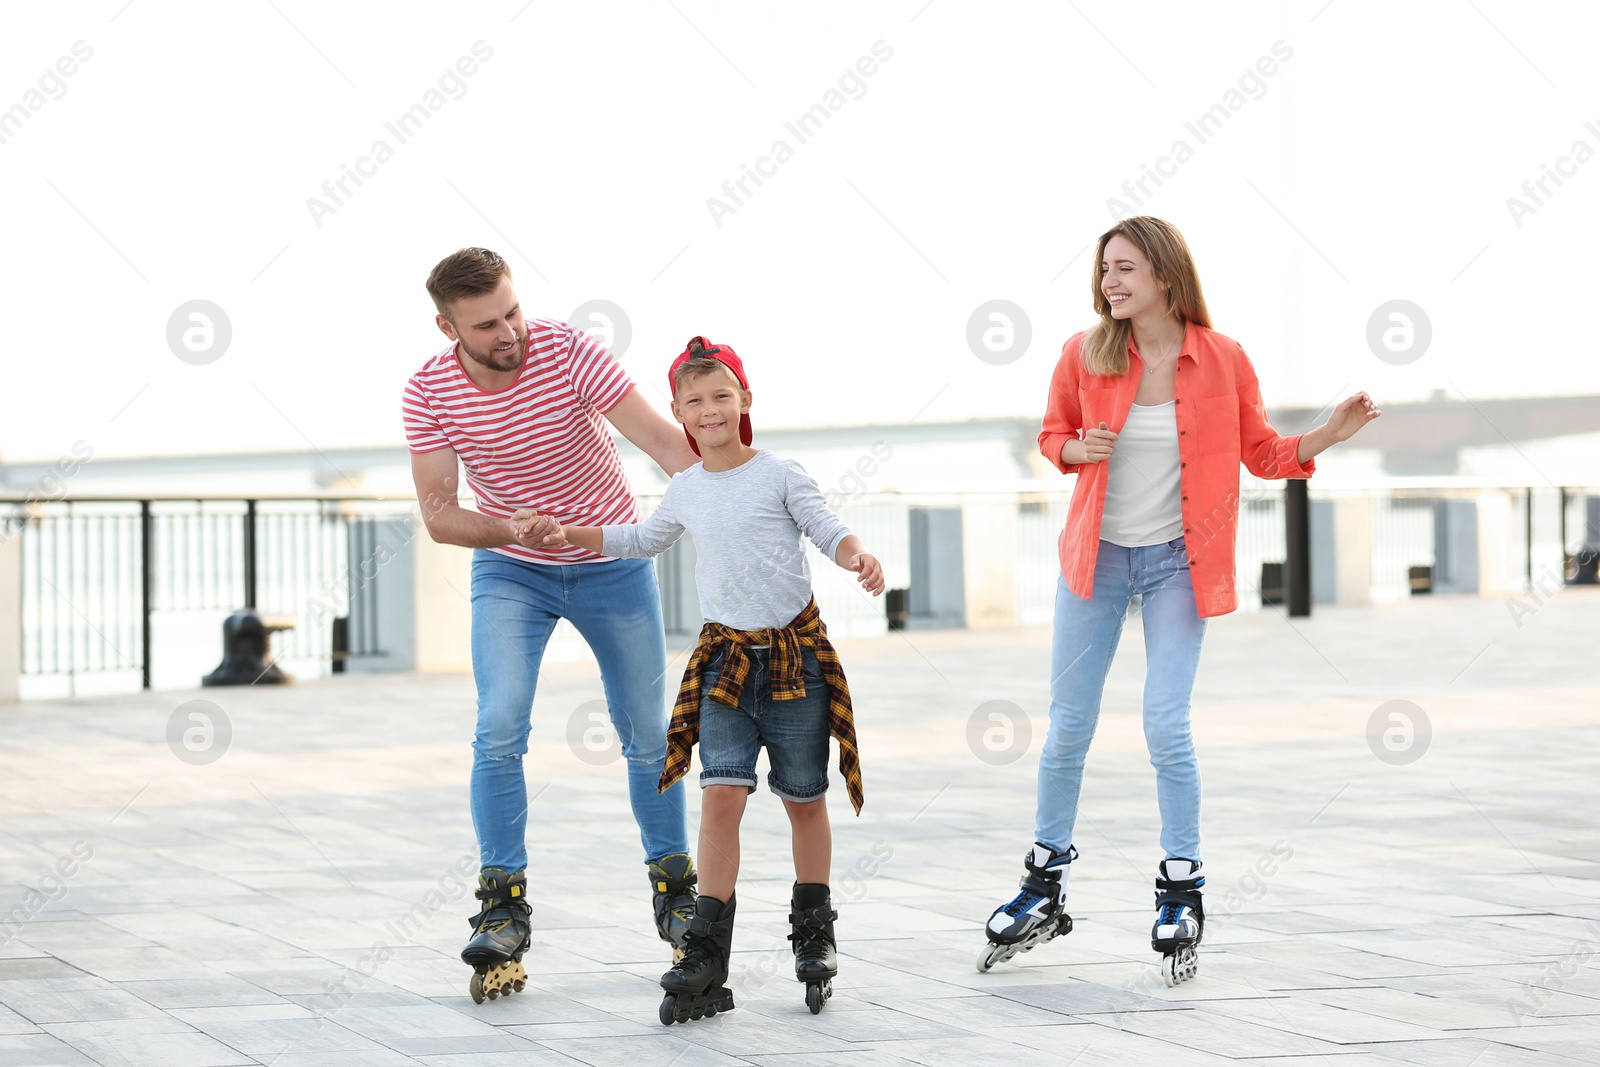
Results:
x,y
541,444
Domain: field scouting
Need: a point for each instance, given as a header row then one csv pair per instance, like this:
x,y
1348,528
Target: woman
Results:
x,y
1154,412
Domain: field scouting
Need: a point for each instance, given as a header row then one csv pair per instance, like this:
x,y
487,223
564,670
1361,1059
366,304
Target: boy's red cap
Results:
x,y
728,358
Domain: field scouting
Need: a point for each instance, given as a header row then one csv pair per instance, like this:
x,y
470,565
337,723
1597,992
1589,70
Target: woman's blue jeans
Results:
x,y
1085,639
615,607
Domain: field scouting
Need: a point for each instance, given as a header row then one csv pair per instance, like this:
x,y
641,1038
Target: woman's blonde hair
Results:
x,y
1105,345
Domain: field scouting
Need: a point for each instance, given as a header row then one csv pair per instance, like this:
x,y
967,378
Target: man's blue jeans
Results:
x,y
615,606
1085,639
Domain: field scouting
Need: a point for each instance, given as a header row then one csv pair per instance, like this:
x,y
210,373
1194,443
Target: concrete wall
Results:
x,y
1494,543
1352,538
10,617
424,600
989,534
937,596
1456,556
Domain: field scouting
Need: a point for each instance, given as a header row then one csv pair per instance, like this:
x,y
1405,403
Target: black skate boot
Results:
x,y
811,918
673,879
1180,919
500,935
1036,914
696,987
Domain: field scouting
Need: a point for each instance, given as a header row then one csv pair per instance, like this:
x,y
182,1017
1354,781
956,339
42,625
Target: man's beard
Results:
x,y
508,362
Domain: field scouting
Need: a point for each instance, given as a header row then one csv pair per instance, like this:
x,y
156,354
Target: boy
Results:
x,y
763,671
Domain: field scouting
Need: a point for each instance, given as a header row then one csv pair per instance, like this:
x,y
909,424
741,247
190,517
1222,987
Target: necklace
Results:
x,y
1163,361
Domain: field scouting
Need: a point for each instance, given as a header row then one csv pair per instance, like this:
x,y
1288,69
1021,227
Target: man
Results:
x,y
522,405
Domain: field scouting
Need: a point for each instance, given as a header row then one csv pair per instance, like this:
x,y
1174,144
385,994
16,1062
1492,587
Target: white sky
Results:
x,y
178,162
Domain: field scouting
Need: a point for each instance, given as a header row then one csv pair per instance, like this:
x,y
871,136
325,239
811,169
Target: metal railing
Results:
x,y
101,574
104,578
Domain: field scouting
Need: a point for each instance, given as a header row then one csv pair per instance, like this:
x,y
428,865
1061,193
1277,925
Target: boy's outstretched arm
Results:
x,y
852,556
589,537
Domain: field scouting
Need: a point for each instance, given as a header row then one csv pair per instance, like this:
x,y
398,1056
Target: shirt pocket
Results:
x,y
1219,424
1099,405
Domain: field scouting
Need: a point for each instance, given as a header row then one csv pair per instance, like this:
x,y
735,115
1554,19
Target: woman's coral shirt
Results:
x,y
1221,423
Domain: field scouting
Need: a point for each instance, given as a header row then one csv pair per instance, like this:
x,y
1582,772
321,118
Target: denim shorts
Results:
x,y
795,732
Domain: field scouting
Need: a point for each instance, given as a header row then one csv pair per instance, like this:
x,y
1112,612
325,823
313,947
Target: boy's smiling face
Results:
x,y
709,406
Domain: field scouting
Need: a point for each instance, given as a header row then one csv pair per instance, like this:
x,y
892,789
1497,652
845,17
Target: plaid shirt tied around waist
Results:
x,y
788,683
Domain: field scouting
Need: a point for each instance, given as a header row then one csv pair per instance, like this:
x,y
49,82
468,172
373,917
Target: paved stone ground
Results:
x,y
296,901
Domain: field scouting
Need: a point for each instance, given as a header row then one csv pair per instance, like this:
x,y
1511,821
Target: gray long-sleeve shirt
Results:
x,y
750,566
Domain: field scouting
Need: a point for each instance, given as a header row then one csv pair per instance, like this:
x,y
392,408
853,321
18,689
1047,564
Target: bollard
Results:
x,y
246,651
1585,566
894,602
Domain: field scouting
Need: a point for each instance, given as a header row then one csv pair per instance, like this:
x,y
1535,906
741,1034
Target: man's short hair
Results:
x,y
469,272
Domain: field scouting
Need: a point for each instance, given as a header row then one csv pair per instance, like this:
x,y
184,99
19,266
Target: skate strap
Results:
x,y
812,917
1180,885
1180,894
1054,862
504,894
702,927
674,873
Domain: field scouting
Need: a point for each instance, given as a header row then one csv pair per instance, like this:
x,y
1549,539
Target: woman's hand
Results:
x,y
1098,443
1351,414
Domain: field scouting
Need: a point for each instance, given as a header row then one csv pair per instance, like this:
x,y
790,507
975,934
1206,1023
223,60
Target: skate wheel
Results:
x,y
711,1012
1179,967
519,985
991,955
665,1014
475,987
505,990
492,992
814,998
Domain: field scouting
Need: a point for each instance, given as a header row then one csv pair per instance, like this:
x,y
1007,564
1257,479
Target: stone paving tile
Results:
x,y
126,1044
981,1014
266,1038
604,1025
529,1057
1439,1013
1343,1057
853,1058
1465,1052
40,1050
1085,999
215,991
1303,1015
37,967
667,1047
1091,1046
1354,907
1524,1003
1274,1028
74,1000
496,1043
365,1058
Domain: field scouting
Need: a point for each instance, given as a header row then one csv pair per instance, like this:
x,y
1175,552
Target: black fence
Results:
x,y
99,574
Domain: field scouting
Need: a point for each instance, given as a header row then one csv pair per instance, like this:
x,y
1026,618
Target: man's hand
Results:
x,y
530,529
869,570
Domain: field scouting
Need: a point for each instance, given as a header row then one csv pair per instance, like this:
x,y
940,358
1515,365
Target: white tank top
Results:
x,y
1142,481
